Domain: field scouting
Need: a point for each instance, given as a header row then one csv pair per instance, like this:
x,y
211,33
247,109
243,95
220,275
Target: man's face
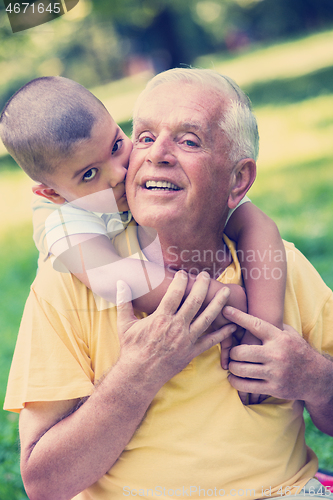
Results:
x,y
179,173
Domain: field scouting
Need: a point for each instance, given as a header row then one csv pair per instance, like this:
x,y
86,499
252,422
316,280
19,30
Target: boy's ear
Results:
x,y
49,193
244,175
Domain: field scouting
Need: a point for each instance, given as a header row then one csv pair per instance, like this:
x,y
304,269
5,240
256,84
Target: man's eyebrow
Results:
x,y
81,170
189,125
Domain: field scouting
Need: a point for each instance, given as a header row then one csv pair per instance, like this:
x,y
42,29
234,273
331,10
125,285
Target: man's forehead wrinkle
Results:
x,y
199,111
137,121
173,123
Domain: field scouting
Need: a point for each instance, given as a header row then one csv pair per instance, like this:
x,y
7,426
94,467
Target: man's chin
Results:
x,y
157,219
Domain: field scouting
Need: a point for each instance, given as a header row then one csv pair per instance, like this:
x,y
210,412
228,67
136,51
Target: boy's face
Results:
x,y
95,164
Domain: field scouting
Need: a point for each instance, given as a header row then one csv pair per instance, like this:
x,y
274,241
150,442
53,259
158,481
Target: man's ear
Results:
x,y
244,175
49,193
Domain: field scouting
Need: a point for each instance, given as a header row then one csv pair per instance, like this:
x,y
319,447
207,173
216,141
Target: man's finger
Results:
x,y
195,298
258,327
210,339
252,386
125,314
209,314
247,353
248,370
174,294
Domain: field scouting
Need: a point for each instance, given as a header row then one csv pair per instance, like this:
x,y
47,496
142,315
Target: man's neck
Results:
x,y
189,253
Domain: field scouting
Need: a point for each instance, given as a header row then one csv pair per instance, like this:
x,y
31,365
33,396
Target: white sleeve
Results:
x,y
231,211
68,220
53,222
41,209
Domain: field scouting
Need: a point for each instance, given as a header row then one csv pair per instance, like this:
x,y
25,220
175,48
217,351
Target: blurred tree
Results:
x,y
99,40
274,19
163,33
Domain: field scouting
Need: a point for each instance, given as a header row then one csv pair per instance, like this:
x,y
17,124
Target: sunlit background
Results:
x,y
279,51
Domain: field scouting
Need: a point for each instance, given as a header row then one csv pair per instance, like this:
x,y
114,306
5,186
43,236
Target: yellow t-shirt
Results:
x,y
197,438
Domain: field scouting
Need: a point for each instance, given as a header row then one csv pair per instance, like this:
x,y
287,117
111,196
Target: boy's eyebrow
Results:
x,y
78,172
81,170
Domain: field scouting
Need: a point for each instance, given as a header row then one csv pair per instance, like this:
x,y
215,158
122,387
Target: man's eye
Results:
x,y
145,139
117,145
188,142
89,175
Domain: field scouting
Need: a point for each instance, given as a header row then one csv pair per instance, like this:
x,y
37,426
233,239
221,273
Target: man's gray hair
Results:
x,y
238,122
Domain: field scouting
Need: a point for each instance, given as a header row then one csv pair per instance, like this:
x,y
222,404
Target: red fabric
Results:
x,y
326,480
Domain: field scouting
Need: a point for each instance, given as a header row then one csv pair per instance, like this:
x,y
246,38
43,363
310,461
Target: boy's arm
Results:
x,y
94,261
263,260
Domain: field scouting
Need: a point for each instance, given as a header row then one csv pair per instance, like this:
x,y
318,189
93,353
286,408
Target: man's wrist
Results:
x,y
320,386
134,376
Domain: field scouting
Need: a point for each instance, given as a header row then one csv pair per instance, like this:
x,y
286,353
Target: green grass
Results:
x,y
300,199
17,271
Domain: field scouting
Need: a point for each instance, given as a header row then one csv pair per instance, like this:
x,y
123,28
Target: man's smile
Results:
x,y
153,185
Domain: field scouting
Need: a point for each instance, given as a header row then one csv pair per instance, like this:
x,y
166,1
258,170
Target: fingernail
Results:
x,y
204,274
228,310
181,273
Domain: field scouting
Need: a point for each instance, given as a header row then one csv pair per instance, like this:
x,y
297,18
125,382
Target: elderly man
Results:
x,y
165,420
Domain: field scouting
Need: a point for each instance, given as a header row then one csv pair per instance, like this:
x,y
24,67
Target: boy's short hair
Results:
x,y
44,119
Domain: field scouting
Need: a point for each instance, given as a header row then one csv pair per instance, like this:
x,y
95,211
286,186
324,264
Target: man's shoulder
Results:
x,y
308,299
67,295
60,289
298,265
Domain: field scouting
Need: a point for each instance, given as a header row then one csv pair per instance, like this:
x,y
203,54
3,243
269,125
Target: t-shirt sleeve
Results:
x,y
68,220
51,360
314,314
53,222
231,211
41,209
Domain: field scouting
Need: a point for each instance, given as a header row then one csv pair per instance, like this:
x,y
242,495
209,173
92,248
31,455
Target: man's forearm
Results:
x,y
320,406
62,454
78,450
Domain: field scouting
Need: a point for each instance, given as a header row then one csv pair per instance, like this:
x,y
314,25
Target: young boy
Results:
x,y
64,138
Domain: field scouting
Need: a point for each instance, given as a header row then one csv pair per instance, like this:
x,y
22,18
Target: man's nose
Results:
x,y
161,152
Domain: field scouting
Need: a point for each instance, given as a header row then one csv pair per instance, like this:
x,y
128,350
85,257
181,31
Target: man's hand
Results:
x,y
284,366
280,366
167,340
